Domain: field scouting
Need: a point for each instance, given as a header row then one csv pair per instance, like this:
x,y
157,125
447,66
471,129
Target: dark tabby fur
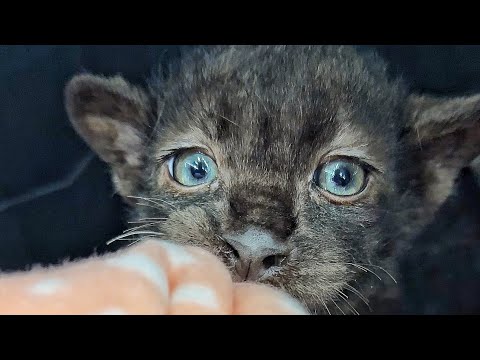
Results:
x,y
269,115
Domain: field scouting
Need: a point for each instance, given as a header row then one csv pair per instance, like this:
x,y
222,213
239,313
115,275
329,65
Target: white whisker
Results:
x,y
355,312
164,201
338,307
356,292
153,200
230,121
148,205
342,293
138,227
123,236
133,243
365,269
326,307
158,219
381,268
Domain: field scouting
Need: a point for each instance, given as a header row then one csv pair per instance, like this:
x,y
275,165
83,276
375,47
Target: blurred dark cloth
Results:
x,y
56,199
441,272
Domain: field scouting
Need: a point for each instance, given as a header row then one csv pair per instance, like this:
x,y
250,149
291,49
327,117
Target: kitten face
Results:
x,y
286,162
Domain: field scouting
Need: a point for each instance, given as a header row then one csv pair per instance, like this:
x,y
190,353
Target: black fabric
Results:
x,y
440,272
56,199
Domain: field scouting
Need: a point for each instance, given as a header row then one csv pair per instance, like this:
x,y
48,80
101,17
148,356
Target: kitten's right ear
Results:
x,y
113,118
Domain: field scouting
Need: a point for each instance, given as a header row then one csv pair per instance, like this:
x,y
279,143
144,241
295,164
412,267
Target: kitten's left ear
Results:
x,y
444,135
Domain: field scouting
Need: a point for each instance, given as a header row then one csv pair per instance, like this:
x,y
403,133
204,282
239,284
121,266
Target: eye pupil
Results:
x,y
341,176
199,170
192,168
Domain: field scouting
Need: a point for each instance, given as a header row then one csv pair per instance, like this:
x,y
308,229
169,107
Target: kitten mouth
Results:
x,y
265,278
246,276
263,273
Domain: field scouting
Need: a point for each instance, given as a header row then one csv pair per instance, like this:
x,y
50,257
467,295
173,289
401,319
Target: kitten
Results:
x,y
304,167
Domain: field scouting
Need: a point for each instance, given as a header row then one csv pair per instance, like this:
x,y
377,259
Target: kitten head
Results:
x,y
299,166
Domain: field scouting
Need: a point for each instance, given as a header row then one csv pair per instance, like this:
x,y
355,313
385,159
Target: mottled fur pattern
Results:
x,y
269,115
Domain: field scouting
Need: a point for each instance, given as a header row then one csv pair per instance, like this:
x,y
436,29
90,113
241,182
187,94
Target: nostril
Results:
x,y
232,249
273,260
269,261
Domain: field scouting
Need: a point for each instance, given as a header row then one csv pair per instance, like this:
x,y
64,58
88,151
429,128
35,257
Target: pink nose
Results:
x,y
256,251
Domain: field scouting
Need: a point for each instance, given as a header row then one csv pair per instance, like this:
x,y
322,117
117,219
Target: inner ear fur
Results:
x,y
113,118
444,135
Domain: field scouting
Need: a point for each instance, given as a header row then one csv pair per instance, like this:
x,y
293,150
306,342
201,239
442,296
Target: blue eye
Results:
x,y
341,178
192,169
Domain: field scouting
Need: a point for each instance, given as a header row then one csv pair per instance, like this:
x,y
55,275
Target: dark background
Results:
x,y
56,200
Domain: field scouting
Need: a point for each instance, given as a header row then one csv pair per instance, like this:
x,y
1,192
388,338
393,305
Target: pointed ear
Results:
x,y
444,135
113,118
